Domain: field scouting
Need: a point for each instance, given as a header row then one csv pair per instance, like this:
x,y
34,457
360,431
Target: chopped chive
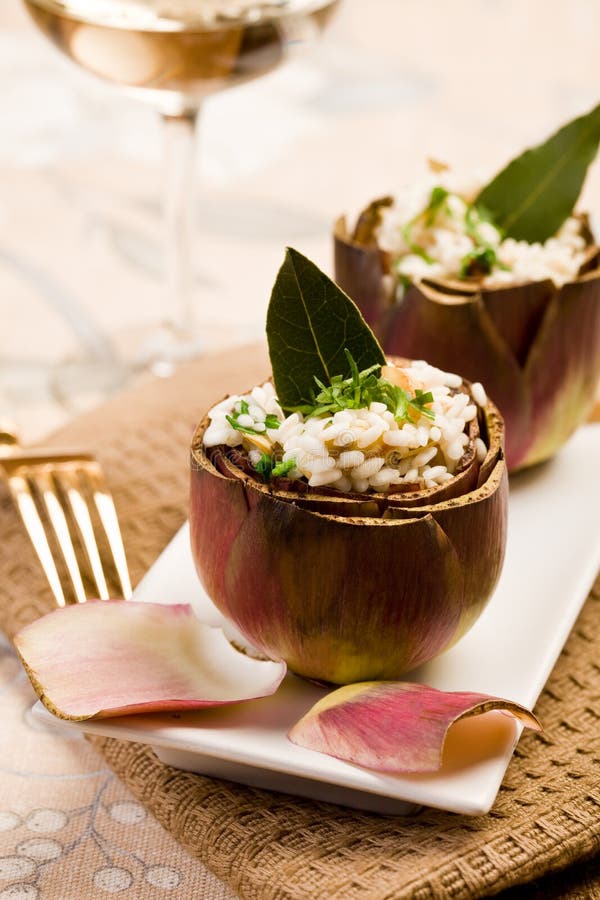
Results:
x,y
264,467
362,389
437,201
283,468
237,427
480,261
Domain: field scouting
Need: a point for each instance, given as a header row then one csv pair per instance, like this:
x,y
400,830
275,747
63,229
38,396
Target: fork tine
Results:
x,y
110,523
44,483
86,529
22,496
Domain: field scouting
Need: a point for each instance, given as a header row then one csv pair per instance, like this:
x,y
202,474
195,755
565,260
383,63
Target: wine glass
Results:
x,y
172,54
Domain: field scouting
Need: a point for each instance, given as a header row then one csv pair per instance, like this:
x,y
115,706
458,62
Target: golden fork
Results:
x,y
62,499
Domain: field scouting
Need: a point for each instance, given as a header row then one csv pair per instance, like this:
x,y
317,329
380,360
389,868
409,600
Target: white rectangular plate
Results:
x,y
552,558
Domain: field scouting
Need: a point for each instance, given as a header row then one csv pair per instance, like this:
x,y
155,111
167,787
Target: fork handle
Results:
x,y
8,437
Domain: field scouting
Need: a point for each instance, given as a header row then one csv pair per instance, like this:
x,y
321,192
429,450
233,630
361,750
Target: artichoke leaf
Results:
x,y
369,220
394,727
316,590
517,311
115,657
421,324
360,271
563,367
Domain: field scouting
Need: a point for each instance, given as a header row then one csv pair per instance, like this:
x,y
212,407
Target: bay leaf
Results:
x,y
310,323
531,198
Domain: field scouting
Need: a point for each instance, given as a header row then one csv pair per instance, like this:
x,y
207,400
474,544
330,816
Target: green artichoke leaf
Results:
x,y
312,326
531,198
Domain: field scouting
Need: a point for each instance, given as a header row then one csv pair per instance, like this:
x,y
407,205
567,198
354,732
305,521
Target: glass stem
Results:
x,y
179,152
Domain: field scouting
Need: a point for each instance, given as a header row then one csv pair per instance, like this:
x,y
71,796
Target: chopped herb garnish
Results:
x,y
267,468
362,389
400,403
284,468
480,261
403,283
264,467
271,421
437,202
476,216
415,248
233,421
420,401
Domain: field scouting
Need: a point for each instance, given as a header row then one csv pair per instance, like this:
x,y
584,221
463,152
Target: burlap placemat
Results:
x,y
544,825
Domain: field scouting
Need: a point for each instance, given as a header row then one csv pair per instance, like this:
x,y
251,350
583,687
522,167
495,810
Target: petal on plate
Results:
x,y
393,726
116,657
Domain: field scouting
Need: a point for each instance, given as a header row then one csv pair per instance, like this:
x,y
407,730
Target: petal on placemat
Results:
x,y
393,726
116,657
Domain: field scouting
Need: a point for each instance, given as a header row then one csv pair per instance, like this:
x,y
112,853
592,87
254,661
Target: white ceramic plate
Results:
x,y
552,558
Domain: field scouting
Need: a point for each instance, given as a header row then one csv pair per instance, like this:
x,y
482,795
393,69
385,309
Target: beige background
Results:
x,y
395,81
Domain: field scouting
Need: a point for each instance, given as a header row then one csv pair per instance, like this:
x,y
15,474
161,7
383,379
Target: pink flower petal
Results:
x,y
109,658
393,726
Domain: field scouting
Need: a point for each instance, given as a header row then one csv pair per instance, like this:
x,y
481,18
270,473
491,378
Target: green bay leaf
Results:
x,y
531,198
310,324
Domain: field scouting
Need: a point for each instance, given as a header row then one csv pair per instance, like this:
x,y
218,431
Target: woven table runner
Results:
x,y
539,841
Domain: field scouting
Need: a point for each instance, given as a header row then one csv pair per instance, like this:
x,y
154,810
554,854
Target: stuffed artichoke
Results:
x,y
500,283
357,529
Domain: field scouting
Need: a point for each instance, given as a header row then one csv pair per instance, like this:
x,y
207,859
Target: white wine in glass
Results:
x,y
172,54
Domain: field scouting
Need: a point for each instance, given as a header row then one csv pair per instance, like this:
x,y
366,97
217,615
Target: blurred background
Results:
x,y
390,83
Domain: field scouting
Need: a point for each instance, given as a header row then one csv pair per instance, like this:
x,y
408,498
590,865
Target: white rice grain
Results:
x,y
349,459
454,451
397,438
368,468
478,393
322,478
369,436
344,438
480,449
425,456
434,472
384,478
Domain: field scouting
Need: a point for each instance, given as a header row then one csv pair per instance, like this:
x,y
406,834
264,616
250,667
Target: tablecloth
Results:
x,y
265,845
